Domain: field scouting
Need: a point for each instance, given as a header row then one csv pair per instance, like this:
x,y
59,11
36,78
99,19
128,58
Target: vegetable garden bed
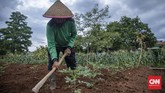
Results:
x,y
21,78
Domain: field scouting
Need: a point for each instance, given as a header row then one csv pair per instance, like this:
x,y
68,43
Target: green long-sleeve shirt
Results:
x,y
60,37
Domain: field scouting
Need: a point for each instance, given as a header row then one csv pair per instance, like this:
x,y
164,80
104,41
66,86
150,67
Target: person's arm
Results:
x,y
73,35
51,43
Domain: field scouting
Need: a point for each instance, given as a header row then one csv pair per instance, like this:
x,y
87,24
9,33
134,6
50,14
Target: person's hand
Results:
x,y
68,51
56,64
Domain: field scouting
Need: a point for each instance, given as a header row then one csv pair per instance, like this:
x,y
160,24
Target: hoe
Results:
x,y
42,81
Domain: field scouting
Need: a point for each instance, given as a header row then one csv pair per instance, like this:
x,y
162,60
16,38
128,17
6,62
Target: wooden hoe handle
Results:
x,y
41,82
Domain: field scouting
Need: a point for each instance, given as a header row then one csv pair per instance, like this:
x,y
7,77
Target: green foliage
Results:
x,y
115,60
27,58
70,80
81,71
91,25
158,56
3,66
119,60
77,91
88,84
2,52
41,53
39,56
3,48
96,35
15,38
94,18
130,30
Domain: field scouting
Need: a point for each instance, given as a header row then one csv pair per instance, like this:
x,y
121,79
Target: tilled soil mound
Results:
x,y
21,78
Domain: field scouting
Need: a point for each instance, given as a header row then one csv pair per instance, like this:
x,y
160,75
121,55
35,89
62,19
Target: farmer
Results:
x,y
61,34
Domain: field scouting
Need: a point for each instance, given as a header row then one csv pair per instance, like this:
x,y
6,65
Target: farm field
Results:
x,y
118,46
21,78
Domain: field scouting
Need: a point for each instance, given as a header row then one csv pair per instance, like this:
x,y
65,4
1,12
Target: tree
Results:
x,y
79,44
129,29
2,42
114,29
16,36
91,25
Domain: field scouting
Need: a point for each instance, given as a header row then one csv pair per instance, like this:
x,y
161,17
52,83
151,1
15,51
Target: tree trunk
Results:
x,y
141,52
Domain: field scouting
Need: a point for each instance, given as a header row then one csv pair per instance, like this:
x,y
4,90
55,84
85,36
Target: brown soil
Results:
x,y
21,78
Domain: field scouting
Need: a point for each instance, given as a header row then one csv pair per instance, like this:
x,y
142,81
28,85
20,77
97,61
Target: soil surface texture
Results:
x,y
21,78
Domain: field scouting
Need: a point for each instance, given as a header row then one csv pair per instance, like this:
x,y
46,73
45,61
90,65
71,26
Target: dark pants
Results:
x,y
70,60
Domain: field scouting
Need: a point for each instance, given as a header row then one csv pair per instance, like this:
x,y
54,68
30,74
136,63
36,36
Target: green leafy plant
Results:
x,y
77,91
70,80
88,84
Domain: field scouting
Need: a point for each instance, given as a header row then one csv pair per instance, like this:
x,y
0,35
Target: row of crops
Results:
x,y
118,59
89,64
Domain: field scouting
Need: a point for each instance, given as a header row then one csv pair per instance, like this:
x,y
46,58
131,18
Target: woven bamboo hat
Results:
x,y
58,10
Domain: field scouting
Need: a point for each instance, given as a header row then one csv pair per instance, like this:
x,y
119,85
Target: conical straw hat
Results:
x,y
58,10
